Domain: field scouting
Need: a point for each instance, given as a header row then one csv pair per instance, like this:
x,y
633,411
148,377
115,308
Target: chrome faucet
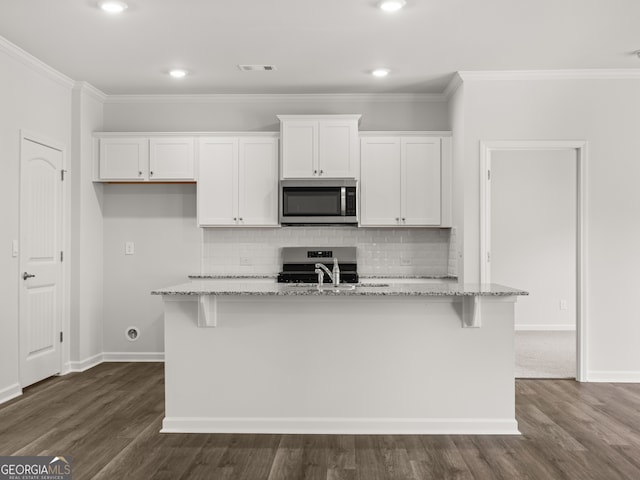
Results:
x,y
321,269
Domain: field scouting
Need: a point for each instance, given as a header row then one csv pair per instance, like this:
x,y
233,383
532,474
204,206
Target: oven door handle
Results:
x,y
343,201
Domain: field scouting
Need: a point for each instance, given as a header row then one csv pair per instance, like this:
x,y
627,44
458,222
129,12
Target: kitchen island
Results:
x,y
263,357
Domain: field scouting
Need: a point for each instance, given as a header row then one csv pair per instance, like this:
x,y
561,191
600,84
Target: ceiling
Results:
x,y
321,46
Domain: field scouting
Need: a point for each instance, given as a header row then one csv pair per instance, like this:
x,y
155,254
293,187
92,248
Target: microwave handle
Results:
x,y
343,201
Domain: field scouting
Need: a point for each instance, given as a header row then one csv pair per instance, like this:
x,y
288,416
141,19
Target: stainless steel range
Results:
x,y
298,263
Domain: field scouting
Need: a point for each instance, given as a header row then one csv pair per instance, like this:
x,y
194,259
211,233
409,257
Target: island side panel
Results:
x,y
339,365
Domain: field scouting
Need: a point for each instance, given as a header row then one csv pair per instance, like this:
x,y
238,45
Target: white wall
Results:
x,y
161,221
606,113
148,114
533,233
86,232
457,119
40,103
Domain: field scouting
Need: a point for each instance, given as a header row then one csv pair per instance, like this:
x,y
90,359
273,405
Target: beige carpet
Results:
x,y
545,354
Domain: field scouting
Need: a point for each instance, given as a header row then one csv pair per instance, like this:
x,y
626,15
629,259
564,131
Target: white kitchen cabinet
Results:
x,y
403,181
380,181
171,158
238,181
319,146
122,159
141,158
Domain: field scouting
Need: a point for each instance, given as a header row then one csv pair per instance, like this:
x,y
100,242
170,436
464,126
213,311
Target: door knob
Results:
x,y
26,275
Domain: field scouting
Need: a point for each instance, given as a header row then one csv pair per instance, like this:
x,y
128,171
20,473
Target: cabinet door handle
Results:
x,y
139,173
404,219
151,174
240,218
321,172
315,172
397,219
26,275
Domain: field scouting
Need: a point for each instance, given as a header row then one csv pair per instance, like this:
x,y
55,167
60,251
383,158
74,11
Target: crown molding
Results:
x,y
591,74
453,85
281,98
32,62
95,93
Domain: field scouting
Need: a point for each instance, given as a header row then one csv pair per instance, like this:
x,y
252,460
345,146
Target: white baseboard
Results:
x,y
546,328
611,376
86,364
10,392
341,426
133,357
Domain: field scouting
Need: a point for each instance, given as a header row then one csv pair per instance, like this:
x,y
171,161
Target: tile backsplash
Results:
x,y
381,251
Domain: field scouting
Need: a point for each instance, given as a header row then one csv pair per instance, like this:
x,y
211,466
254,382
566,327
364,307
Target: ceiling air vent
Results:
x,y
257,68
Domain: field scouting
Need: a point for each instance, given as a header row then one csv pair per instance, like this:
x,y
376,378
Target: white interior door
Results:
x,y
40,261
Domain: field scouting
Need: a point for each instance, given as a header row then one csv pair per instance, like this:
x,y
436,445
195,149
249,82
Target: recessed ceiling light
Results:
x,y
380,72
113,6
391,5
178,73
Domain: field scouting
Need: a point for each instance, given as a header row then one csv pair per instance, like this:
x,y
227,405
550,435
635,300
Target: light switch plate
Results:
x,y
129,248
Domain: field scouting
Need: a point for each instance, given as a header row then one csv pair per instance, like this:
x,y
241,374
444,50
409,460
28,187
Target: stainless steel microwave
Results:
x,y
327,201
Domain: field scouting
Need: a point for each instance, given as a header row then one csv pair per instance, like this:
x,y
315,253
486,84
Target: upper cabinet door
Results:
x,y
380,181
299,149
124,159
421,181
258,182
171,158
217,181
319,146
338,148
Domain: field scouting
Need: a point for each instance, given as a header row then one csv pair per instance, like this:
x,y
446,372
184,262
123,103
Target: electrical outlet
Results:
x,y
245,261
564,305
129,248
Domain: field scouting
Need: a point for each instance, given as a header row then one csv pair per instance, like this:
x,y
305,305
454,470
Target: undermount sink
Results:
x,y
328,287
343,287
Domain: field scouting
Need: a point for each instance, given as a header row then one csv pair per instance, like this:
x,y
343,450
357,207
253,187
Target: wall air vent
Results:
x,y
257,68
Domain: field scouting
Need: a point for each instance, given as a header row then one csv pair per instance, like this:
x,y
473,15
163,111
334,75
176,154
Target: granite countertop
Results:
x,y
390,289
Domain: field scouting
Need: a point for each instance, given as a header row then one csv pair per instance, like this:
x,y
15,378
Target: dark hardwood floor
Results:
x,y
108,420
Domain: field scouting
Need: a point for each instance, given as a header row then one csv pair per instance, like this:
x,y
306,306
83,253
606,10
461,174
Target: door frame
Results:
x,y
580,148
65,325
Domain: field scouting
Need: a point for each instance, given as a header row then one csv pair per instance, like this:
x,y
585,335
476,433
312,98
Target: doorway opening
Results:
x,y
532,235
